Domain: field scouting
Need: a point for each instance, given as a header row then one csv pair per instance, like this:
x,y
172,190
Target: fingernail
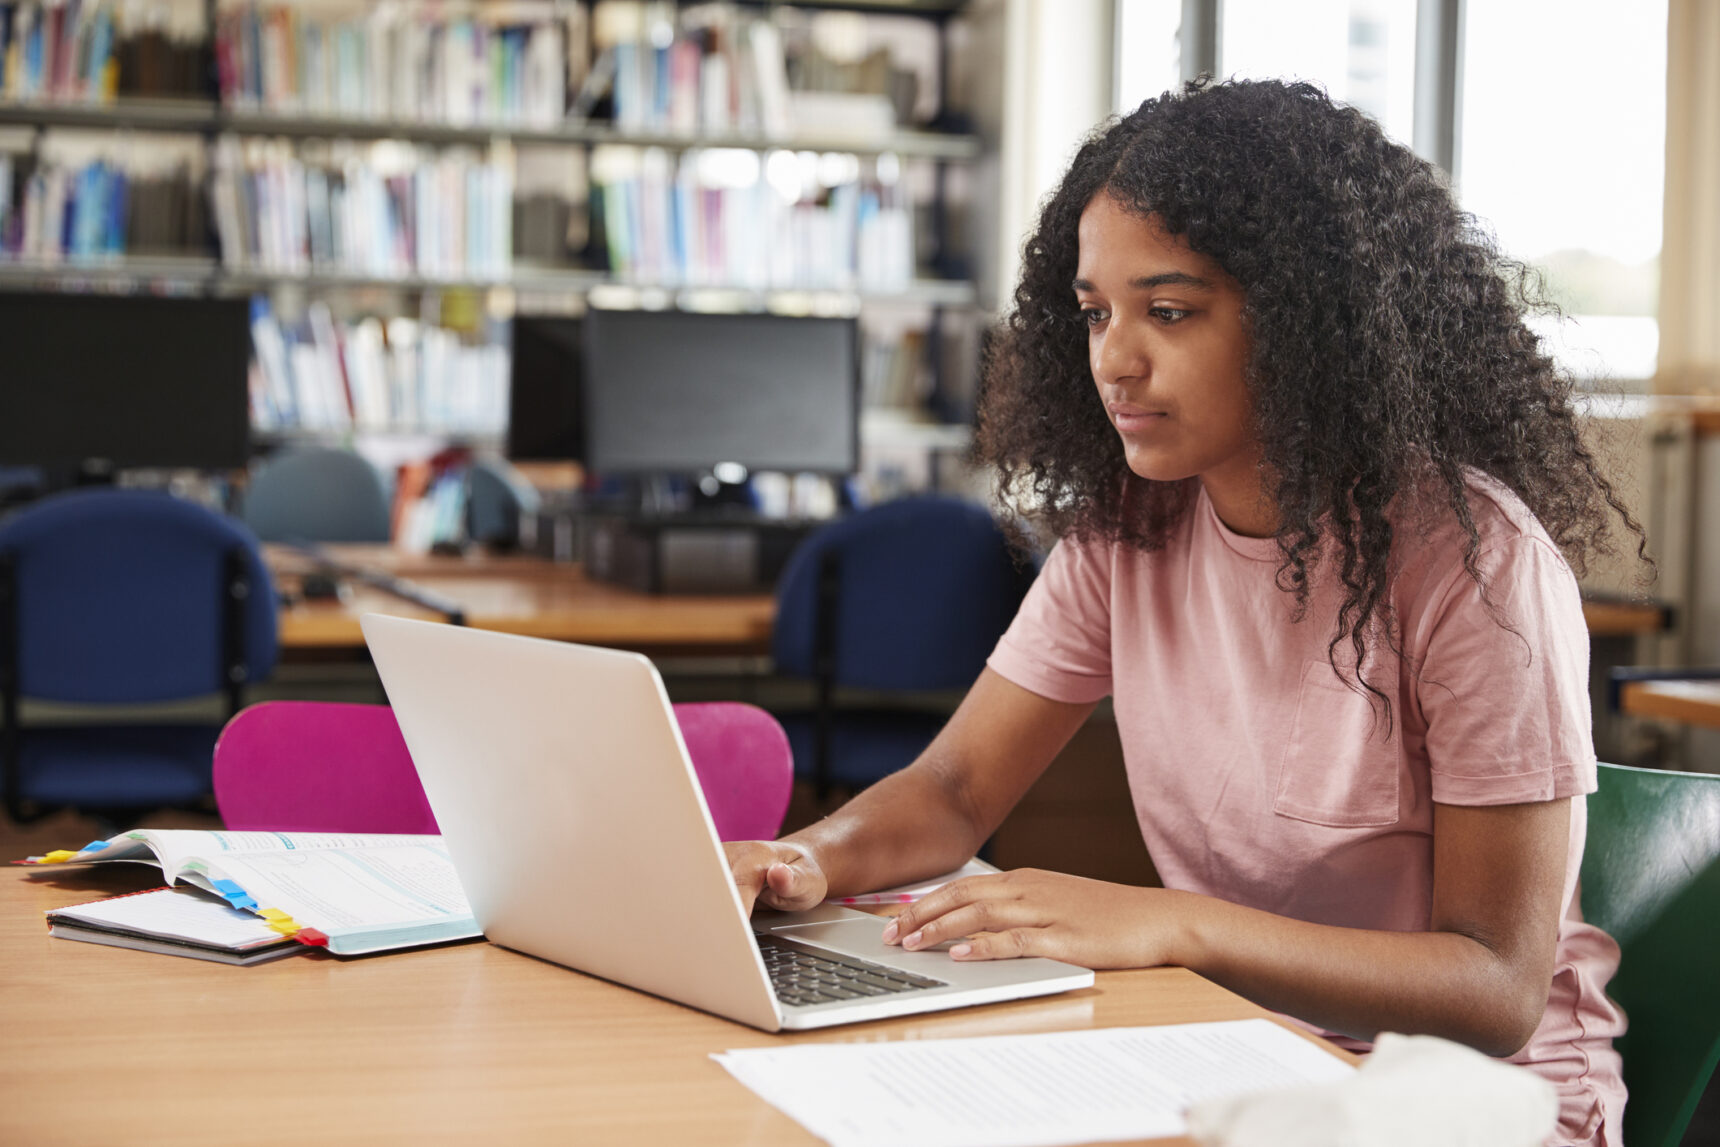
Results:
x,y
890,932
912,941
961,950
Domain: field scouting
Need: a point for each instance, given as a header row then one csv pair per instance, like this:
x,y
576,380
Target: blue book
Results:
x,y
93,212
685,197
101,45
119,198
33,50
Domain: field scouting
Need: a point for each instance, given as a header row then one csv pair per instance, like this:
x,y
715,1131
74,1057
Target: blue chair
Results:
x,y
907,597
498,496
317,494
123,597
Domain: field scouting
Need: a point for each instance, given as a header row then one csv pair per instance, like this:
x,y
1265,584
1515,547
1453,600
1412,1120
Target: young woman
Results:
x,y
1316,488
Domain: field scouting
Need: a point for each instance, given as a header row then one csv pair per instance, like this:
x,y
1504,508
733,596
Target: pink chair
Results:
x,y
317,766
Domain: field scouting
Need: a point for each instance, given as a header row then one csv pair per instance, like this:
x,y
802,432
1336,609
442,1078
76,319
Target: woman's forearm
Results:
x,y
1359,982
909,825
931,817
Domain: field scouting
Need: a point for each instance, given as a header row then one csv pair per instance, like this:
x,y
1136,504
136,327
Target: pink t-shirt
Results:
x,y
1262,778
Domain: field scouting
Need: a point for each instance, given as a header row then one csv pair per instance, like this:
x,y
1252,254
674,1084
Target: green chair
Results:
x,y
1651,878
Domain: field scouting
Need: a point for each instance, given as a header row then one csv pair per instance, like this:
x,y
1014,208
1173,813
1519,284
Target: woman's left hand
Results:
x,y
1029,912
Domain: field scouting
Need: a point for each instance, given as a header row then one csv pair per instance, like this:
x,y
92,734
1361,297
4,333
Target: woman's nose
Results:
x,y
1119,356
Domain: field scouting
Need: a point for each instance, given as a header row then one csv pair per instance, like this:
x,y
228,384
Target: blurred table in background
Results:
x,y
514,594
535,597
1695,702
1623,618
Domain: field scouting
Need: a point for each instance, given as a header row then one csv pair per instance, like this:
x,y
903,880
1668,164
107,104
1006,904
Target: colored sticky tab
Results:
x,y
58,856
95,846
233,894
312,936
279,921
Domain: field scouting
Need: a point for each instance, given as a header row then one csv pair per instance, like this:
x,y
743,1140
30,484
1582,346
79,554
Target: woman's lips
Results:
x,y
1135,418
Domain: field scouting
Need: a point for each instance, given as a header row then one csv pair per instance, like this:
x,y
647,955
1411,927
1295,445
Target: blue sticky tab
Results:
x,y
233,894
94,846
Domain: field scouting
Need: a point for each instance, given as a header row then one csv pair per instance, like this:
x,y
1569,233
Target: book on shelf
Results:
x,y
725,69
430,500
92,51
385,209
175,922
351,893
373,374
506,63
722,218
94,195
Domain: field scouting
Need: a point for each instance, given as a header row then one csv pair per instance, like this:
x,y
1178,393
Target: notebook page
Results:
x,y
1026,1090
175,914
177,846
336,890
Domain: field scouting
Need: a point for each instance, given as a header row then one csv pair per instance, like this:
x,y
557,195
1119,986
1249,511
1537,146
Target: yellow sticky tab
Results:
x,y
58,856
273,914
284,927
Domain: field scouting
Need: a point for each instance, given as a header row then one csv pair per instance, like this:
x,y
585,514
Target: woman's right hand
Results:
x,y
776,874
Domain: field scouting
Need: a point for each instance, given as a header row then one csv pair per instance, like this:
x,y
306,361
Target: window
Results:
x,y
1361,51
1149,52
1562,151
1558,109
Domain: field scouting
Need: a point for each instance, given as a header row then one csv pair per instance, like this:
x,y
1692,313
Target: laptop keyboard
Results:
x,y
803,975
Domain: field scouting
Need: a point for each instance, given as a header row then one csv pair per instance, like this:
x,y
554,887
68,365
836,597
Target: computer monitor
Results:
x,y
676,392
543,392
119,381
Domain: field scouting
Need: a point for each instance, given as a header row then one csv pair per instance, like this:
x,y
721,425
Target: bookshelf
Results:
x,y
254,125
209,116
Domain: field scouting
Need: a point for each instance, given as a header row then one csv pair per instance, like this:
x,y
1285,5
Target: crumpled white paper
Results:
x,y
1412,1091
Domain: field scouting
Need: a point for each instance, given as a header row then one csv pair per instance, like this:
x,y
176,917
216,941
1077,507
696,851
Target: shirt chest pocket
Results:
x,y
1340,764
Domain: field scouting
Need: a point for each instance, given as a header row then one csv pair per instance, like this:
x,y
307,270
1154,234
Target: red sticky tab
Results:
x,y
312,937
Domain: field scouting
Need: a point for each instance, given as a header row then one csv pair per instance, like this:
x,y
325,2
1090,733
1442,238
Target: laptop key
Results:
x,y
803,976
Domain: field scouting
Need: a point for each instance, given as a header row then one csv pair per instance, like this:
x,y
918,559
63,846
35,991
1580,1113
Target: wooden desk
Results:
x,y
462,1044
524,595
1694,702
1623,618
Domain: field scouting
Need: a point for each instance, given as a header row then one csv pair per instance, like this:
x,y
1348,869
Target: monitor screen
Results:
x,y
668,391
543,392
125,380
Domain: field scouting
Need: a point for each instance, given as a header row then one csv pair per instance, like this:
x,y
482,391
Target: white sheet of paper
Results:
x,y
1026,1090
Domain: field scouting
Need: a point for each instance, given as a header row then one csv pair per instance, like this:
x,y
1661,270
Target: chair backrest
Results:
x,y
313,766
1651,880
497,496
918,591
317,494
125,596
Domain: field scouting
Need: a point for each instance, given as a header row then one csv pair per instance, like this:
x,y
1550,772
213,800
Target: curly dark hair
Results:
x,y
1389,354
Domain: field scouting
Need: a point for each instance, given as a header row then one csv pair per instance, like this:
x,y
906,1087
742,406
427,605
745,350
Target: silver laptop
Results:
x,y
577,826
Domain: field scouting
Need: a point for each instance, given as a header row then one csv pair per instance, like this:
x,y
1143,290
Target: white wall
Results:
x,y
1057,74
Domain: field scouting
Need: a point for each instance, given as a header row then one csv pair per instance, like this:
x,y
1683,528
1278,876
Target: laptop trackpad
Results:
x,y
765,920
838,928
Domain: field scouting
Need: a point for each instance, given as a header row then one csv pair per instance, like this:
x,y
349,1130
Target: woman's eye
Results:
x,y
1169,315
1092,316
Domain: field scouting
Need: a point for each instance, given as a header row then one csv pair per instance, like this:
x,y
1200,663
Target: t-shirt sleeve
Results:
x,y
1504,687
1059,645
